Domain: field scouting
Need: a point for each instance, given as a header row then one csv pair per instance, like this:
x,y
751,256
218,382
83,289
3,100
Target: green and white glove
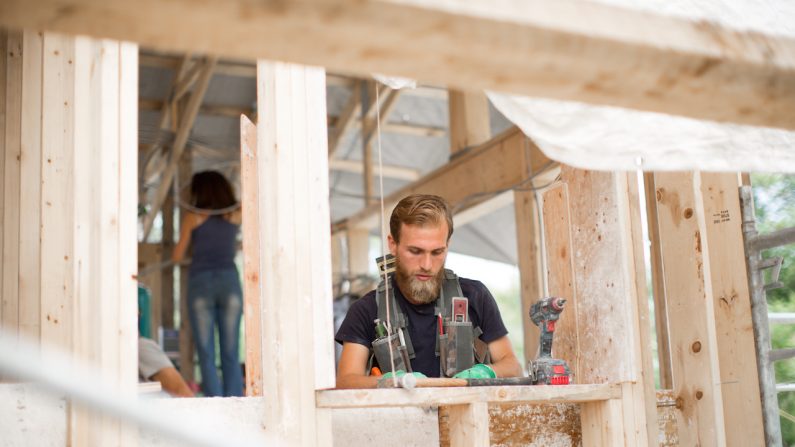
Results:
x,y
479,371
386,381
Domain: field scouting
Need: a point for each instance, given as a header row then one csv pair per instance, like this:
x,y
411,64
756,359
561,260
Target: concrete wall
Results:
x,y
29,417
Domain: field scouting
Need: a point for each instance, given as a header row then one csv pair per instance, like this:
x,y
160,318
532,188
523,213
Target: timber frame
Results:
x,y
68,111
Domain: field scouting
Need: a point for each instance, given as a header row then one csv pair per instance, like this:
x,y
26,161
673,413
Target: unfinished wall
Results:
x,y
69,204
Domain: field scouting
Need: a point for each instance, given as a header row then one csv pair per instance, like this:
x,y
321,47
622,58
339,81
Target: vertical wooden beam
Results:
x,y
658,284
704,264
742,408
528,240
30,199
691,315
469,424
294,250
602,423
3,119
469,119
252,310
560,274
612,324
12,182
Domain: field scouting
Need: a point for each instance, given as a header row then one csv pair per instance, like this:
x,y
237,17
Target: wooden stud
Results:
x,y
611,321
469,119
252,309
295,256
469,424
187,347
691,316
528,241
560,274
582,51
602,424
12,182
658,284
3,102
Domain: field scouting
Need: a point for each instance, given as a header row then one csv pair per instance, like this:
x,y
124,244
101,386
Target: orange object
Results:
x,y
375,371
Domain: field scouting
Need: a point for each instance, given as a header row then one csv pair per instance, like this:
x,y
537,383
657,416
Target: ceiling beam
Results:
x,y
562,49
505,162
388,171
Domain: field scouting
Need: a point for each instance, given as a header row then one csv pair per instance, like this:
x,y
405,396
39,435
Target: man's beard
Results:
x,y
418,292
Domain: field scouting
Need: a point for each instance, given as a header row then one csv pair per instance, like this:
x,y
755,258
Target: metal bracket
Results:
x,y
774,263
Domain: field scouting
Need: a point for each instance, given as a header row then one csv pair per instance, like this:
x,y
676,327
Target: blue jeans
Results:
x,y
215,298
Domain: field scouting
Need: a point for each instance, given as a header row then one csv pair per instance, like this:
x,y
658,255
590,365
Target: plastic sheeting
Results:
x,y
610,138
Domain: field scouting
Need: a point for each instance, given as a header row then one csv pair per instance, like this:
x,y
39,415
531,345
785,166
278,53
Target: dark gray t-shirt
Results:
x,y
358,325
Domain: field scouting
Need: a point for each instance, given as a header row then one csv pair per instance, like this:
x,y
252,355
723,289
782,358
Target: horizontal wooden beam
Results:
x,y
356,167
569,50
235,112
423,397
505,162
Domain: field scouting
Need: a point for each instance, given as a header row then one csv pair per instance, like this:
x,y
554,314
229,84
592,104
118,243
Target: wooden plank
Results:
x,y
3,101
12,182
30,198
469,424
658,284
128,227
293,204
187,118
560,274
57,161
252,309
496,165
528,241
610,320
187,347
387,171
469,119
722,223
602,424
583,51
691,316
419,397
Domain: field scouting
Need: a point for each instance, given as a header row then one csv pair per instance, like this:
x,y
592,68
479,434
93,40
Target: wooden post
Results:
x,y
611,307
186,342
469,119
469,424
528,240
295,251
708,307
358,252
252,309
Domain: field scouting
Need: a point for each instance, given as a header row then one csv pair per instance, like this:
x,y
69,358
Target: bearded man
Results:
x,y
420,231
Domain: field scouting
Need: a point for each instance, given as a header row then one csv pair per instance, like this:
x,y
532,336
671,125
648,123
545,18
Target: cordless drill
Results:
x,y
546,370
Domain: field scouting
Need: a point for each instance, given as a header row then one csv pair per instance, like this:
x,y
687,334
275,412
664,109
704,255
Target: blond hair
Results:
x,y
421,210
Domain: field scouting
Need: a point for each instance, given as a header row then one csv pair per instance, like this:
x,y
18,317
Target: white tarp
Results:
x,y
611,138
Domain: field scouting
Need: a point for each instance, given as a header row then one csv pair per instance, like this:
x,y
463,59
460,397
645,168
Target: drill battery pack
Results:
x,y
549,371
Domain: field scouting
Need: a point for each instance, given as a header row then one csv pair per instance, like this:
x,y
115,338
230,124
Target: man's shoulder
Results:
x,y
366,303
472,285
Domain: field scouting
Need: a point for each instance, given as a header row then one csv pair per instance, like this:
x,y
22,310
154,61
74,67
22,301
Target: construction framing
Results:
x,y
69,162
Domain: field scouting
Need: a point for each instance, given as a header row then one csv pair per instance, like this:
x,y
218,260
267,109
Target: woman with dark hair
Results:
x,y
211,224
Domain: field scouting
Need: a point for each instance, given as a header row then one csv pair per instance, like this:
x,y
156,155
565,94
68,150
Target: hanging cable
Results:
x,y
383,230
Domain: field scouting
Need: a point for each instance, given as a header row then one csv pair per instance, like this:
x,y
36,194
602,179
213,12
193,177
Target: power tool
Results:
x,y
546,370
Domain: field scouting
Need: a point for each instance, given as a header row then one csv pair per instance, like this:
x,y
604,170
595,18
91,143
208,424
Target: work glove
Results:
x,y
479,371
386,381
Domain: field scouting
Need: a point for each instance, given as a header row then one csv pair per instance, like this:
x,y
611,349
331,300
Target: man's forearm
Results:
x,y
507,367
356,381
